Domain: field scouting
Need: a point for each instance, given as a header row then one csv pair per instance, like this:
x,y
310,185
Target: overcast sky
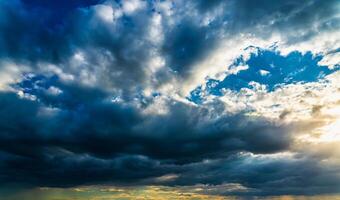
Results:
x,y
170,98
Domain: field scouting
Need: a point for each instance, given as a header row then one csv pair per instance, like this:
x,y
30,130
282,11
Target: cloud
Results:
x,y
265,69
82,123
220,97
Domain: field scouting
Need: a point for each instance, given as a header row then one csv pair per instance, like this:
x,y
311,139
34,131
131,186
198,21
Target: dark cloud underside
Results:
x,y
78,112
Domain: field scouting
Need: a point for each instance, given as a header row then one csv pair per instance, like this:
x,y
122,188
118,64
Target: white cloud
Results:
x,y
52,90
131,6
330,60
10,73
105,12
216,64
264,72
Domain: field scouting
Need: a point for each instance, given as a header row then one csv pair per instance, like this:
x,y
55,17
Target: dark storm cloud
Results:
x,y
263,176
42,145
187,46
90,113
126,43
81,135
64,169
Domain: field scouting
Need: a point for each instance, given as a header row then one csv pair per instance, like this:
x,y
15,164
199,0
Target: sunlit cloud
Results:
x,y
171,99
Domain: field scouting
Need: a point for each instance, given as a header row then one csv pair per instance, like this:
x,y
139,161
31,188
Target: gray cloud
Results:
x,y
83,136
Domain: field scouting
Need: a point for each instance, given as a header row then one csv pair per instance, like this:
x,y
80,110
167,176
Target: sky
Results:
x,y
169,99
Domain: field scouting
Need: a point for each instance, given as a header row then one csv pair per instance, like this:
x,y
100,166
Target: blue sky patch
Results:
x,y
269,68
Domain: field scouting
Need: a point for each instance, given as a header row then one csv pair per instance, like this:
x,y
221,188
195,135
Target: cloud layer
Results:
x,y
227,97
